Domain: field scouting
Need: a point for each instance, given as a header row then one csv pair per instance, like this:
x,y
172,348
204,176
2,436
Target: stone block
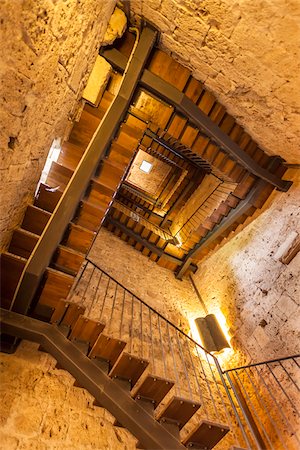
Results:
x,y
97,81
116,27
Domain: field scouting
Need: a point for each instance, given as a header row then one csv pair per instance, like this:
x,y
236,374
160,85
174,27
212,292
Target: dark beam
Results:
x,y
234,215
182,103
158,251
122,198
109,394
68,203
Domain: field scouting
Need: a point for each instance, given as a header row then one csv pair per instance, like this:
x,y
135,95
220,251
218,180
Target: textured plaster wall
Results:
x,y
247,52
47,49
258,295
42,410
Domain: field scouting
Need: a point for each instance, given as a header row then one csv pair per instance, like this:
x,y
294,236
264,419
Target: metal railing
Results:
x,y
267,394
236,397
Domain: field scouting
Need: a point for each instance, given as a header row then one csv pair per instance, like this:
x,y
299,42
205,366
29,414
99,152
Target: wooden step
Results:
x,y
89,216
86,330
129,367
55,286
11,268
178,410
110,175
59,176
107,348
35,219
83,130
206,435
66,314
70,155
22,242
78,238
47,197
67,260
154,389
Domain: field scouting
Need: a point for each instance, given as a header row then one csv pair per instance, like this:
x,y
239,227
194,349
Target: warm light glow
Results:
x,y
52,156
146,166
224,354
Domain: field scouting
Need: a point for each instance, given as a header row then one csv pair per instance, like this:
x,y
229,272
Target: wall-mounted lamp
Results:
x,y
211,334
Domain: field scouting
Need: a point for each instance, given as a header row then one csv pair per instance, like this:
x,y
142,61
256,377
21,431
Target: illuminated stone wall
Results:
x,y
246,53
41,409
47,50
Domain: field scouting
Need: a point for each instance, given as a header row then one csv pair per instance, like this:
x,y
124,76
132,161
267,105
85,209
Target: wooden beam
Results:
x,y
226,222
145,243
78,183
182,103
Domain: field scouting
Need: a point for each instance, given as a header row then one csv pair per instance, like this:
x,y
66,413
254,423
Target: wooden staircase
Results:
x,y
79,235
134,375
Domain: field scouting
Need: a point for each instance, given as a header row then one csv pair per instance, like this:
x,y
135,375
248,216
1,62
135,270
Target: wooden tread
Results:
x,y
129,367
35,219
206,435
86,330
154,389
178,410
107,348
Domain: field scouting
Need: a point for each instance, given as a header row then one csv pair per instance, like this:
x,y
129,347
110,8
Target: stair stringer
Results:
x,y
109,394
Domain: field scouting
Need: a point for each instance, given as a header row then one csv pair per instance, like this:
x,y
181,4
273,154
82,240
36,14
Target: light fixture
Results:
x,y
211,334
146,166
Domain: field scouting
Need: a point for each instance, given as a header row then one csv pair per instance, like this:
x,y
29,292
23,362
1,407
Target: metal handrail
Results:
x,y
269,361
151,308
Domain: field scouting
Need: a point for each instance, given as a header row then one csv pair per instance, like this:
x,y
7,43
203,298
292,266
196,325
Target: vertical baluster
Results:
x,y
216,384
289,376
207,382
141,327
83,297
113,306
122,313
78,279
279,407
103,302
131,325
183,364
177,385
95,294
282,389
203,403
162,346
152,346
294,359
249,401
261,401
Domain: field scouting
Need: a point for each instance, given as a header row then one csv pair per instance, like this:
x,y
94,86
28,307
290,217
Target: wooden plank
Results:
x,y
206,435
178,410
11,268
129,367
86,330
47,198
89,216
193,89
35,219
58,176
67,258
22,242
78,238
56,286
107,348
168,69
70,155
154,389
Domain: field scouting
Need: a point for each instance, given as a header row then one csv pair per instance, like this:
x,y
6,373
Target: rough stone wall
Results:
x,y
156,285
47,49
41,409
246,52
258,295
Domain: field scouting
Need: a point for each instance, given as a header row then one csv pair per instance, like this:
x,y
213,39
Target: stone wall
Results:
x,y
246,53
47,49
41,409
258,295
